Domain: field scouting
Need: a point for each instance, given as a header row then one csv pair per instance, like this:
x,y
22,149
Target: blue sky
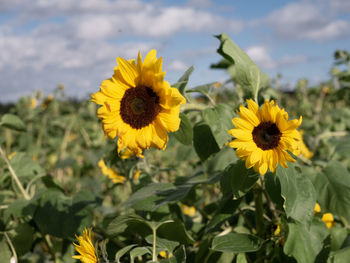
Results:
x,y
44,43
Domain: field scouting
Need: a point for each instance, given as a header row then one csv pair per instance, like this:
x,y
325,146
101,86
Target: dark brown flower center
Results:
x,y
266,135
139,106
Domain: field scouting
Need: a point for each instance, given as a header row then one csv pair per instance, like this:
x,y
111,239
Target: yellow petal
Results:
x,y
128,71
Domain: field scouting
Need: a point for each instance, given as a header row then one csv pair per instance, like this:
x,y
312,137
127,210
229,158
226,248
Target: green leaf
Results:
x,y
12,122
298,193
182,82
333,188
5,252
139,252
273,188
241,178
122,252
204,141
175,231
338,234
305,243
243,71
202,89
237,243
220,121
340,256
120,223
163,243
185,132
147,198
23,239
25,166
22,208
68,216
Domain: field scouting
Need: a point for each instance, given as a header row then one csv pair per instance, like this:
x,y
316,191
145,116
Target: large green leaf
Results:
x,y
175,231
185,132
236,243
182,82
5,252
333,188
61,216
340,256
243,70
304,243
241,179
148,197
203,140
120,223
12,122
298,193
219,119
25,166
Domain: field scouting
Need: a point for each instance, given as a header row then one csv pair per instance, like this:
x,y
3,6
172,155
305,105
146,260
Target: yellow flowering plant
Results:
x,y
230,171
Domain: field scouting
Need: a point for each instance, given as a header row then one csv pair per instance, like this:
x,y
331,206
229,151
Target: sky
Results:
x,y
44,43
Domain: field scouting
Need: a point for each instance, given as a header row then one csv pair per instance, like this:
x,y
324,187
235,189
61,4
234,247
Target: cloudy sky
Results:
x,y
44,43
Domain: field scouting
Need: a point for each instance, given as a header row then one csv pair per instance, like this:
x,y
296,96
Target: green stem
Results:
x,y
259,218
13,174
11,246
154,251
193,107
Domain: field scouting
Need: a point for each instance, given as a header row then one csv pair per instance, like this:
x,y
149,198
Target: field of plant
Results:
x,y
121,179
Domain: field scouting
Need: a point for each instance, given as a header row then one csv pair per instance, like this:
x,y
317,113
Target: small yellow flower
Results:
x,y
164,254
138,105
11,155
328,219
277,230
33,103
264,136
304,151
47,101
137,174
85,248
116,178
317,208
188,210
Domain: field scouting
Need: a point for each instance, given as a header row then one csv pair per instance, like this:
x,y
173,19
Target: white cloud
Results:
x,y
303,20
261,56
76,42
177,65
341,6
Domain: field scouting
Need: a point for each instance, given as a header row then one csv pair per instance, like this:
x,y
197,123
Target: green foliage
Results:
x,y
195,200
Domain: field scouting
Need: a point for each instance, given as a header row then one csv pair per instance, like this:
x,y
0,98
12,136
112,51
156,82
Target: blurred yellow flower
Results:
x,y
137,105
137,174
85,248
317,208
33,103
263,136
188,210
47,101
304,151
164,254
116,178
328,219
11,155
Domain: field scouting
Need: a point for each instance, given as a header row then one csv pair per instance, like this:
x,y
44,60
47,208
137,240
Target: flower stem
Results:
x,y
13,174
259,218
11,246
154,251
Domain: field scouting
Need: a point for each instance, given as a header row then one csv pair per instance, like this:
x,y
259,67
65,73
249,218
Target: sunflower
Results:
x,y
85,248
113,175
263,136
138,106
304,151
